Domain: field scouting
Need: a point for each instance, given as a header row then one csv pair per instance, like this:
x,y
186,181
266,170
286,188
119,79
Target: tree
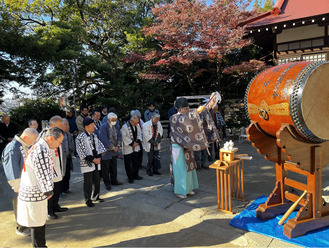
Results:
x,y
80,44
189,32
268,5
256,5
41,109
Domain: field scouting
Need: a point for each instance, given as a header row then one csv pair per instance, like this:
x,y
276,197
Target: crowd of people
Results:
x,y
36,165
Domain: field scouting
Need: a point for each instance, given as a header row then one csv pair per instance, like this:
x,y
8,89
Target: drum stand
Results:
x,y
291,153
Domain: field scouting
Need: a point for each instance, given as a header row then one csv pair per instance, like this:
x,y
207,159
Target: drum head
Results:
x,y
315,102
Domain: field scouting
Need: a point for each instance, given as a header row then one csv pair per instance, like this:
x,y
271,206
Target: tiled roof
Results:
x,y
289,10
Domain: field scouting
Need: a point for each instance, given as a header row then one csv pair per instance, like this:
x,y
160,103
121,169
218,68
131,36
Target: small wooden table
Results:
x,y
229,181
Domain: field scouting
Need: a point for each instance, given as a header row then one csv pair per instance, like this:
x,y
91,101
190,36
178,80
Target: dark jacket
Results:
x,y
105,136
73,125
6,132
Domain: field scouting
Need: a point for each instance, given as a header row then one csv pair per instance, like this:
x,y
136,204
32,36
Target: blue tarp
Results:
x,y
247,220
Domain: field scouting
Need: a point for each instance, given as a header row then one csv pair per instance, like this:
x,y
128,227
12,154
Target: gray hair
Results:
x,y
155,115
29,132
30,121
65,120
134,117
136,112
55,132
55,119
111,116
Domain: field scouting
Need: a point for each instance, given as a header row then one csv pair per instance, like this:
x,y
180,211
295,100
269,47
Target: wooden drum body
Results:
x,y
294,93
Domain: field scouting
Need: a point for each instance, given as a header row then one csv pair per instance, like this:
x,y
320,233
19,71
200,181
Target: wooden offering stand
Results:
x,y
229,171
291,153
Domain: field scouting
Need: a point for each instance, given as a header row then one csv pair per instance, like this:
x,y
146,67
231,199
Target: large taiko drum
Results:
x,y
294,93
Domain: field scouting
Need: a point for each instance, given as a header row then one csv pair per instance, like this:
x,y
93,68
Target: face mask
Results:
x,y
113,123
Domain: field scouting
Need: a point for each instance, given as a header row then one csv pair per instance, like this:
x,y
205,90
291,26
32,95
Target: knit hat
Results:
x,y
87,121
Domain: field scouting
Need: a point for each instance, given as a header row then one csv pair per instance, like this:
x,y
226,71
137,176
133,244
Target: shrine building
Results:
x,y
295,30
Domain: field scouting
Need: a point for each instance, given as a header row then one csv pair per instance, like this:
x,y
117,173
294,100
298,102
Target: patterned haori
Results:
x,y
86,145
36,183
187,131
210,127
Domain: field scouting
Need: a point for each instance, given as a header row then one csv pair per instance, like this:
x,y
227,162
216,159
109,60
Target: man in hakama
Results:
x,y
37,185
188,135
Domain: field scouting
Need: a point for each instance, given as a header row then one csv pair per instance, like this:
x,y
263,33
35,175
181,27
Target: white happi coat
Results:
x,y
85,148
148,134
58,160
36,179
127,138
58,164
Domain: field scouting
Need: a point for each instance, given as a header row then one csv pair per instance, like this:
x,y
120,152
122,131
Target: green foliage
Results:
x,y
257,4
263,5
268,5
54,47
35,109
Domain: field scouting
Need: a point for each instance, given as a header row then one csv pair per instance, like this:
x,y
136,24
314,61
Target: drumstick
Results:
x,y
291,209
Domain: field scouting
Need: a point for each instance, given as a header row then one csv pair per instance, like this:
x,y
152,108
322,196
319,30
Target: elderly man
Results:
x,y
152,134
187,135
90,149
131,137
12,161
80,118
111,138
141,124
7,131
59,166
33,123
96,116
37,185
184,130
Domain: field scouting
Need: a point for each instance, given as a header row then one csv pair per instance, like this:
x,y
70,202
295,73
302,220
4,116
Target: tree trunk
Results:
x,y
190,83
218,73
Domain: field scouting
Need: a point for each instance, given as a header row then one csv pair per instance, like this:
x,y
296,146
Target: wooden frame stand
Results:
x,y
292,154
229,171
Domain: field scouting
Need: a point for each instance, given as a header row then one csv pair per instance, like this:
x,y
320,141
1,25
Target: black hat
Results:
x,y
87,121
181,103
112,110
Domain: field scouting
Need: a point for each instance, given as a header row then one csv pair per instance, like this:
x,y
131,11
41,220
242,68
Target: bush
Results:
x,y
35,109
